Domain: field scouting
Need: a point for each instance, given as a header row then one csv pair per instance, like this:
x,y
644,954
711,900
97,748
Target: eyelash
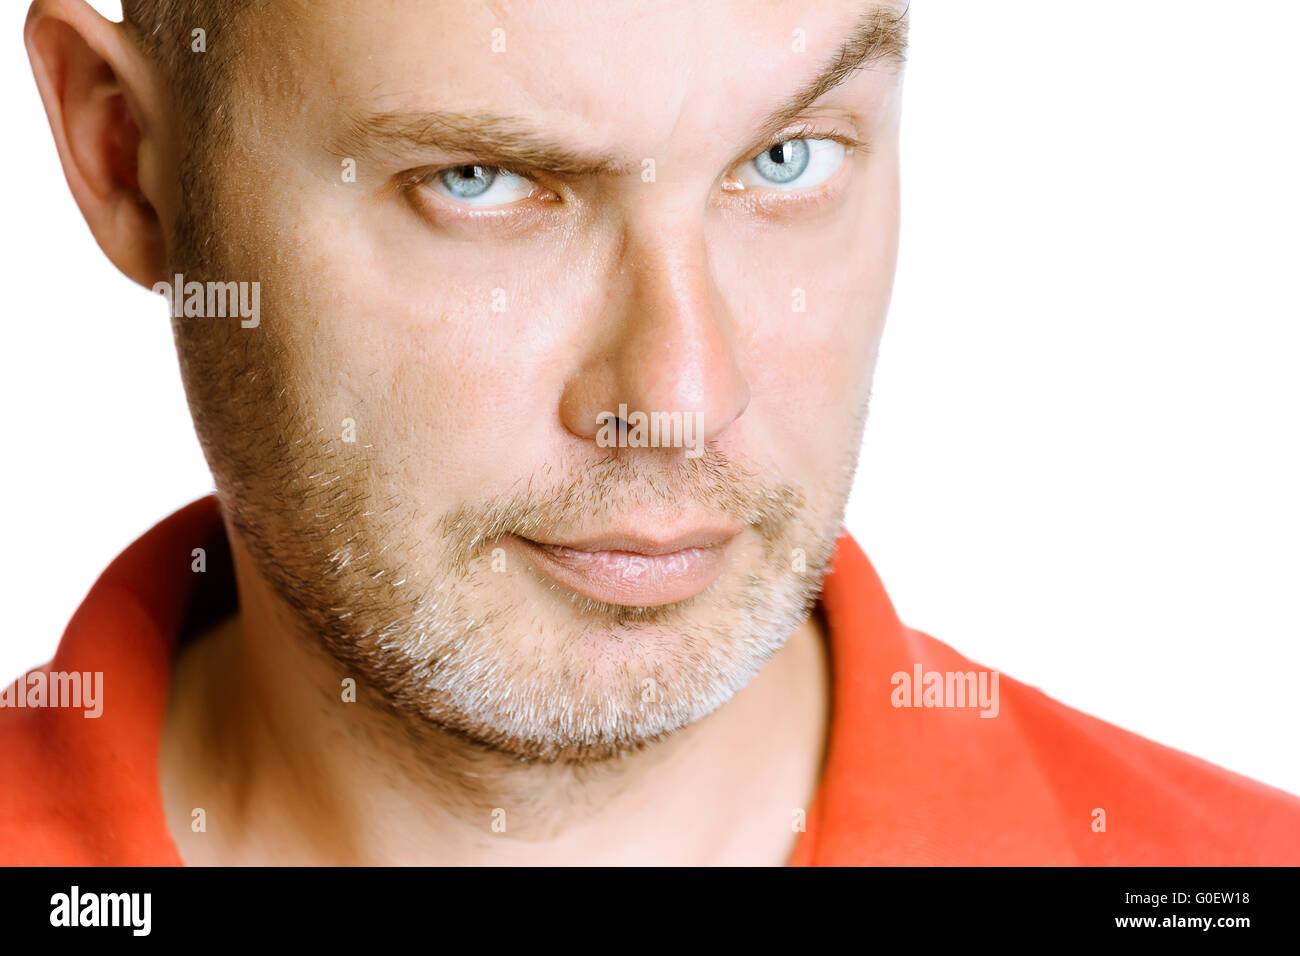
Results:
x,y
412,182
812,131
511,219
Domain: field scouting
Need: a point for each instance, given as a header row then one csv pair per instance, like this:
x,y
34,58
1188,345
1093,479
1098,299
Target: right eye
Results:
x,y
481,185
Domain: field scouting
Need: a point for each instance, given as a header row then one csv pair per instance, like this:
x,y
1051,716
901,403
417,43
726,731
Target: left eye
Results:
x,y
794,164
481,185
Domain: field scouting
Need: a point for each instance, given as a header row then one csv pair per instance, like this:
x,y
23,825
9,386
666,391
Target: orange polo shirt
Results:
x,y
1035,783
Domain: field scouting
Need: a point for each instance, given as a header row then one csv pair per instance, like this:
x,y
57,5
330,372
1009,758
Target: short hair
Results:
x,y
166,31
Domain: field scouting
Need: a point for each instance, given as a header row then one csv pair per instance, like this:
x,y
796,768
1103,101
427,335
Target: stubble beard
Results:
x,y
447,632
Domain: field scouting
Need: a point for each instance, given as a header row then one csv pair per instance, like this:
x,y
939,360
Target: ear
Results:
x,y
98,88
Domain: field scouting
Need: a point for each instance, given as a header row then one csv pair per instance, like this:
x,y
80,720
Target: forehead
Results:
x,y
622,73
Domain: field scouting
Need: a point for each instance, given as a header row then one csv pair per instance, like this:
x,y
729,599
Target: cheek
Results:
x,y
811,319
451,373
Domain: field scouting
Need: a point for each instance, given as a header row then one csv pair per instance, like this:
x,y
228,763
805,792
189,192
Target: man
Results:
x,y
530,348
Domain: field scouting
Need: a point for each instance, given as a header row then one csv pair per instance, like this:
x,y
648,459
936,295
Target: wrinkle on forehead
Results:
x,y
637,76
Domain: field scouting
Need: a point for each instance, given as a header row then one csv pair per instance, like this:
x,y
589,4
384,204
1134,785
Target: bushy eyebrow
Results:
x,y
879,35
491,140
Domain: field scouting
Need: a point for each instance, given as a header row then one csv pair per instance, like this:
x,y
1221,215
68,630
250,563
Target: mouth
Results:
x,y
634,570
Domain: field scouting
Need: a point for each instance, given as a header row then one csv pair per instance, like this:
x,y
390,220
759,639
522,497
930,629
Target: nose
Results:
x,y
669,346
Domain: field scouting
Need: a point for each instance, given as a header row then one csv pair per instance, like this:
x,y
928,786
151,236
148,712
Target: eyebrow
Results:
x,y
879,35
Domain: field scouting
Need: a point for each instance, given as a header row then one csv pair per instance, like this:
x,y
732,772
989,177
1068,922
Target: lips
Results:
x,y
634,570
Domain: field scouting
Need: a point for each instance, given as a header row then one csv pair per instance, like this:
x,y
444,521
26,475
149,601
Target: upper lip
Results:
x,y
703,537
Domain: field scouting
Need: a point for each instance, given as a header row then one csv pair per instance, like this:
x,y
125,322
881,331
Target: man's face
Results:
x,y
476,229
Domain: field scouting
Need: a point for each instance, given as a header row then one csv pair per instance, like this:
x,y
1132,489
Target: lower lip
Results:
x,y
630,579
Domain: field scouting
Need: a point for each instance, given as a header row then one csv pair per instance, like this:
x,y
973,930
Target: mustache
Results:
x,y
713,484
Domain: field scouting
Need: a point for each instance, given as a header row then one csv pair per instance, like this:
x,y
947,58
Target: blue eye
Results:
x,y
795,164
482,185
466,182
784,161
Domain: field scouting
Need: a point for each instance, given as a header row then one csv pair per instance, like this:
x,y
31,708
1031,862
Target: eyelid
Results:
x,y
426,174
507,220
789,199
810,130
418,187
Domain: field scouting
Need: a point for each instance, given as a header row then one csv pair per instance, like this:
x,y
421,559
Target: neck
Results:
x,y
259,733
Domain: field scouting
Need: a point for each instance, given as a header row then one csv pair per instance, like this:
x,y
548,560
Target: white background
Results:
x,y
1081,467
